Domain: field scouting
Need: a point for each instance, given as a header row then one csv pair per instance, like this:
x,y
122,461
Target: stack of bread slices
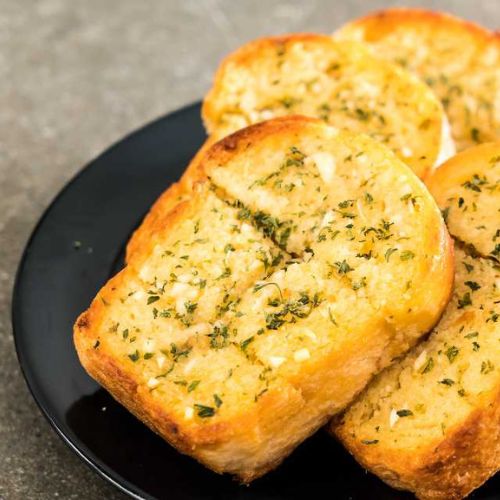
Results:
x,y
301,273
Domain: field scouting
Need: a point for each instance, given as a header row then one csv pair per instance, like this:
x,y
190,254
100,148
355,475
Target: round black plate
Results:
x,y
77,245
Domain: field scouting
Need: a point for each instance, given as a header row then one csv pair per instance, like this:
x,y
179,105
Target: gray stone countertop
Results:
x,y
76,76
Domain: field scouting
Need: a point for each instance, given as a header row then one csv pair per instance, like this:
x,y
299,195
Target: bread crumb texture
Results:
x,y
269,297
339,82
459,60
431,423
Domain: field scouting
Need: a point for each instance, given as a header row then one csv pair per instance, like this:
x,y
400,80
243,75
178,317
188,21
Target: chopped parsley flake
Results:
x,y
134,356
487,367
343,267
404,413
204,411
429,365
369,441
407,255
464,301
389,252
219,337
245,343
474,183
447,381
452,353
472,285
193,385
217,400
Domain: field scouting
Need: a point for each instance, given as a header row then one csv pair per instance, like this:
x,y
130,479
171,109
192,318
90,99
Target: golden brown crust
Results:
x,y
471,210
242,56
459,167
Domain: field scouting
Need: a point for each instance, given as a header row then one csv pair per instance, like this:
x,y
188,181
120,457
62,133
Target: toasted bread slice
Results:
x,y
431,423
458,59
338,82
239,329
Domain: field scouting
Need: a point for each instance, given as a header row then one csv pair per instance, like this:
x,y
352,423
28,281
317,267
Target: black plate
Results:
x,y
77,245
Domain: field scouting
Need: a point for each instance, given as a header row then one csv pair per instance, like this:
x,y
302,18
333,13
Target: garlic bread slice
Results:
x,y
237,330
431,423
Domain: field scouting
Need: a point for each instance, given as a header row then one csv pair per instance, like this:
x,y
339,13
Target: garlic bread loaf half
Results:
x,y
265,301
458,59
339,82
431,422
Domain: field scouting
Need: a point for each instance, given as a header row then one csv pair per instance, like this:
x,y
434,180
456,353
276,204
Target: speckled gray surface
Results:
x,y
75,76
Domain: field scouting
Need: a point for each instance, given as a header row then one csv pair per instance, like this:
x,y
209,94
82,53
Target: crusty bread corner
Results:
x,y
431,422
340,82
233,349
459,59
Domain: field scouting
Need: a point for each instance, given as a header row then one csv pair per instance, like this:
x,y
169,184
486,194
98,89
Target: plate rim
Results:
x,y
82,451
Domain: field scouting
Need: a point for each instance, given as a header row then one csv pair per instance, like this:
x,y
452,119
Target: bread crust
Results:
x,y
396,16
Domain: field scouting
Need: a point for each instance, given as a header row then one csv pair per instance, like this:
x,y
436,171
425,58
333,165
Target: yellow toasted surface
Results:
x,y
431,423
234,332
467,189
338,82
458,59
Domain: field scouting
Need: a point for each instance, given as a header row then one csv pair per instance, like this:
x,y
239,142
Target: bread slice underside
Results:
x,y
431,423
459,60
265,302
